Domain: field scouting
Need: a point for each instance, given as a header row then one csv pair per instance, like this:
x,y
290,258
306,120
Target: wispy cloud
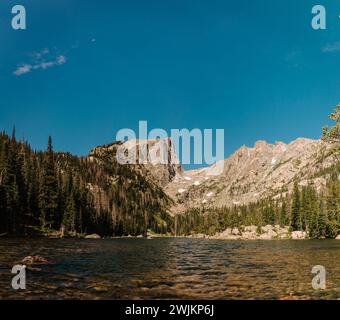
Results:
x,y
40,60
38,55
333,47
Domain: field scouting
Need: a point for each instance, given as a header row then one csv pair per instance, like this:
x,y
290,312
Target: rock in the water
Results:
x,y
34,260
93,236
338,237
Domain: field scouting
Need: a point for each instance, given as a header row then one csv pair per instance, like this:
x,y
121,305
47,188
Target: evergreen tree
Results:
x,y
283,213
332,134
69,215
296,221
48,193
332,205
322,221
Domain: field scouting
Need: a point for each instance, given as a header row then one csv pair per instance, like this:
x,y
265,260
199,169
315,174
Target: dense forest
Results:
x,y
46,192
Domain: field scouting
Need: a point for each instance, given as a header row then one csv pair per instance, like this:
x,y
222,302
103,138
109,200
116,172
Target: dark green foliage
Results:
x,y
296,219
332,134
48,191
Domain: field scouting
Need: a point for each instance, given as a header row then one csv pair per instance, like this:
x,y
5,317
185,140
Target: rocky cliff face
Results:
x,y
154,159
251,174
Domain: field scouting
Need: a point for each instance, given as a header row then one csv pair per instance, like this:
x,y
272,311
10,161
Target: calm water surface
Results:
x,y
171,269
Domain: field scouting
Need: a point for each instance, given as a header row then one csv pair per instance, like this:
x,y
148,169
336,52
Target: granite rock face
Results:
x,y
251,174
155,159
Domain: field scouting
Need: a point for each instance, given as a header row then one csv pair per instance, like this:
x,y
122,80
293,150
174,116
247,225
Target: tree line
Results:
x,y
45,191
305,209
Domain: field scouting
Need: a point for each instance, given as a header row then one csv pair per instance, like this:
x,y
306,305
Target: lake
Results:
x,y
171,268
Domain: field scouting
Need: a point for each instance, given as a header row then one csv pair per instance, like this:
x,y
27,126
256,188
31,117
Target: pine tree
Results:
x,y
332,134
296,221
283,213
69,215
322,221
3,186
48,193
313,209
332,205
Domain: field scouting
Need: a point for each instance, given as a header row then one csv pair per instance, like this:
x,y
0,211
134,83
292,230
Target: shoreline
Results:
x,y
247,233
194,237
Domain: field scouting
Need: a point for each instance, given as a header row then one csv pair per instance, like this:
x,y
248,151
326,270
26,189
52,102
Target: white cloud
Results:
x,y
40,63
333,47
26,68
61,60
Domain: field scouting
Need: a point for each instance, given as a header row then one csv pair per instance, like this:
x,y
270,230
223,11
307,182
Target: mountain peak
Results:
x,y
251,174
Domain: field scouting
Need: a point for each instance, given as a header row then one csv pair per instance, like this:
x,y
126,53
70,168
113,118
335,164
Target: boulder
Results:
x,y
283,233
249,235
267,228
29,260
93,236
235,232
338,237
200,236
269,235
251,229
225,233
298,235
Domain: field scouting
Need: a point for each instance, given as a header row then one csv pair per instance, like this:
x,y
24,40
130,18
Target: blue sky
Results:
x,y
84,69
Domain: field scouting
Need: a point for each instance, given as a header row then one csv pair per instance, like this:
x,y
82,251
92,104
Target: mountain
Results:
x,y
251,174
